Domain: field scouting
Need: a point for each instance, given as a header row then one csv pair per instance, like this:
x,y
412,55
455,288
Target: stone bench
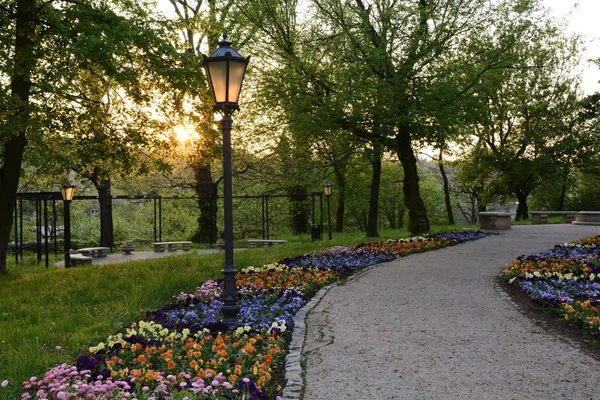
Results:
x,y
495,220
587,218
94,251
541,217
265,242
159,247
79,259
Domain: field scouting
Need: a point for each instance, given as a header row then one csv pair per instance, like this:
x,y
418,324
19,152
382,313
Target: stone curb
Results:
x,y
294,372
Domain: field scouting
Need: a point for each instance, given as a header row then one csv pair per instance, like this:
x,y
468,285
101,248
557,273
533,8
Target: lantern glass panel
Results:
x,y
218,77
236,77
67,192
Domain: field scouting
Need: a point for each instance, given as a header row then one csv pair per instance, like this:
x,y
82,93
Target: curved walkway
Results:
x,y
435,326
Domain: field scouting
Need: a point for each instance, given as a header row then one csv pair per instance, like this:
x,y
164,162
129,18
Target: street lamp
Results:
x,y
67,192
327,191
225,69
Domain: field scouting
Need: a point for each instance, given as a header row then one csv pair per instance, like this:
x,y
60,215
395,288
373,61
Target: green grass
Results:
x,y
41,308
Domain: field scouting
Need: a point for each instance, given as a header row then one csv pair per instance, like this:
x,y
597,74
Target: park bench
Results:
x,y
587,218
94,251
495,220
541,217
265,242
79,259
159,247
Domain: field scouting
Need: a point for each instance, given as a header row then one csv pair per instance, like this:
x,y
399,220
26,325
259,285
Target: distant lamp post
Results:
x,y
67,192
327,192
225,70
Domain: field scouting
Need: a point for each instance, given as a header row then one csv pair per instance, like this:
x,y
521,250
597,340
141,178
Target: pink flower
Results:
x,y
4,383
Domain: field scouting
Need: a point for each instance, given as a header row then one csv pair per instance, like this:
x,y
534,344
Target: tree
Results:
x,y
61,52
373,70
529,113
201,23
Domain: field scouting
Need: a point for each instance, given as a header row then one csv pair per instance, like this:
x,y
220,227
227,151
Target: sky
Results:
x,y
582,17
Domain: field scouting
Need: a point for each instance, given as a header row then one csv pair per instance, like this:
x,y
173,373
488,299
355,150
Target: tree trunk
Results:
x,y
446,190
373,218
339,213
206,190
106,216
563,192
522,209
341,204
418,222
20,86
401,210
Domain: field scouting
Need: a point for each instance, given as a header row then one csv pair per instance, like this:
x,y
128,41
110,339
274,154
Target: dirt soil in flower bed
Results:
x,y
549,320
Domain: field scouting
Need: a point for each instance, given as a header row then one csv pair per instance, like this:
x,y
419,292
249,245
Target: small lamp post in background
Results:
x,y
327,192
225,70
67,192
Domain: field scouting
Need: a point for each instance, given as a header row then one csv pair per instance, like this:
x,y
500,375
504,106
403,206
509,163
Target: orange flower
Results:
x,y
168,355
136,373
151,375
248,349
569,308
212,372
171,364
141,359
193,364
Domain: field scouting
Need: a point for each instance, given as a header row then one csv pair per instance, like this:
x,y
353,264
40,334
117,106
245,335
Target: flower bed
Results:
x,y
565,279
183,351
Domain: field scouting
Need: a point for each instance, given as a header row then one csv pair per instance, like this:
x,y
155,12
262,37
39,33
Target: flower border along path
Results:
x,y
564,280
183,351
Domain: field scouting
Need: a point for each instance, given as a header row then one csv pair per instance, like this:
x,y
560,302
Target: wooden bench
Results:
x,y
265,243
159,247
541,217
79,259
94,251
587,218
495,220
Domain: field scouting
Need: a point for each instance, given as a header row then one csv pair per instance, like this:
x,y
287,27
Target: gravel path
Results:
x,y
436,326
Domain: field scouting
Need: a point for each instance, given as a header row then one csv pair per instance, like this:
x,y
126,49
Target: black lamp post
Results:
x,y
67,192
225,69
327,191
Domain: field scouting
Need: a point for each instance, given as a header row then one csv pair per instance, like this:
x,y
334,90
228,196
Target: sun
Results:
x,y
184,133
